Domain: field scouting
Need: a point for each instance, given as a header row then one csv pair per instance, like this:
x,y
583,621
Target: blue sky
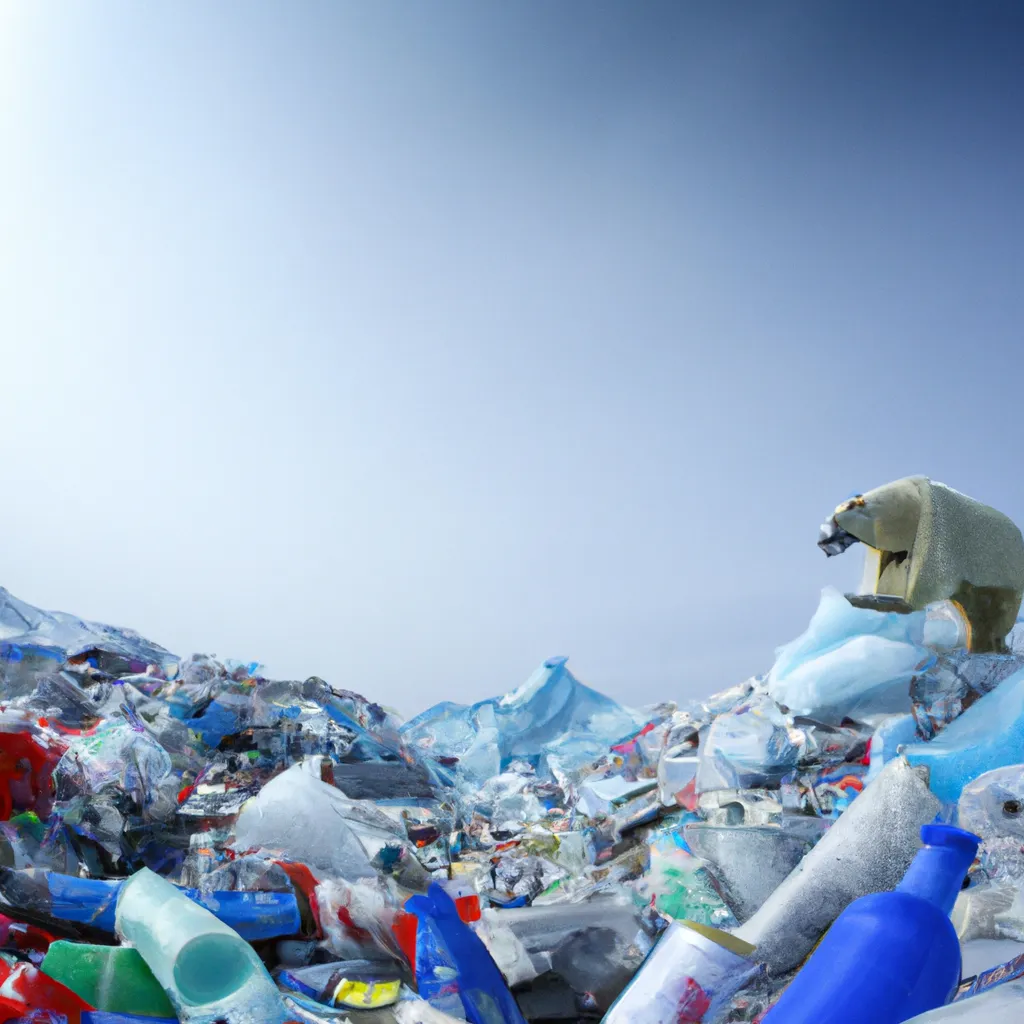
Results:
x,y
410,344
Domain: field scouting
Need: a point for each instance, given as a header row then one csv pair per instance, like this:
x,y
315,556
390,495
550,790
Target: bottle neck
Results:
x,y
937,872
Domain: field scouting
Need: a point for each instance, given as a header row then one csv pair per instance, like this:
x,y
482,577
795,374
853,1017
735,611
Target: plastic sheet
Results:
x,y
988,735
751,745
850,662
551,716
569,835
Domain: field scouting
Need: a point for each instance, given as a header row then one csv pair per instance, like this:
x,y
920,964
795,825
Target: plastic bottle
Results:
x,y
454,971
891,955
111,978
208,971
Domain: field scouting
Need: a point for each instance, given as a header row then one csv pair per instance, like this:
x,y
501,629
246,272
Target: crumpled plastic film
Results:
x,y
533,856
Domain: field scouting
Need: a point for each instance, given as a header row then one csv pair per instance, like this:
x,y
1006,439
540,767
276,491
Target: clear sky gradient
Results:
x,y
408,344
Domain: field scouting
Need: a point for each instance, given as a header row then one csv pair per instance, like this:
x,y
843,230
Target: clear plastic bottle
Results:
x,y
209,972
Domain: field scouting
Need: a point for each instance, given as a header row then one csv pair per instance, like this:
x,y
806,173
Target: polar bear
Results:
x,y
931,543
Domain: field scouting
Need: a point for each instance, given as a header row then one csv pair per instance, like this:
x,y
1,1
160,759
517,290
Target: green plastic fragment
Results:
x,y
114,979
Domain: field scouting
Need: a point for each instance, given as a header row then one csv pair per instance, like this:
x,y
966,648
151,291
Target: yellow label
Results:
x,y
366,995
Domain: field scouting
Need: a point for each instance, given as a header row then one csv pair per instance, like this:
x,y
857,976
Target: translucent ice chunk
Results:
x,y
864,675
22,623
836,621
890,734
851,661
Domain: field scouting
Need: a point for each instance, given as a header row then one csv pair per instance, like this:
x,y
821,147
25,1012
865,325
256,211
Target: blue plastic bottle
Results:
x,y
453,966
892,955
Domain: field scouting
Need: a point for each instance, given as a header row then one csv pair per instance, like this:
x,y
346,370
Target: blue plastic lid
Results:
x,y
938,834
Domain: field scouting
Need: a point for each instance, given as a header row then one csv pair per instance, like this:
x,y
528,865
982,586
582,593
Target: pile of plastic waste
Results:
x,y
186,840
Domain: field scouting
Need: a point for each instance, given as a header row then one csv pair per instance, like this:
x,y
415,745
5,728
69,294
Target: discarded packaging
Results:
x,y
183,839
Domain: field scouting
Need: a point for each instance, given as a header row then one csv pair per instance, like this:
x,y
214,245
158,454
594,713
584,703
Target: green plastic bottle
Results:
x,y
111,978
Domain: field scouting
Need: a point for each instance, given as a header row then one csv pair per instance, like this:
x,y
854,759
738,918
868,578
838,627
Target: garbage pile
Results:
x,y
182,839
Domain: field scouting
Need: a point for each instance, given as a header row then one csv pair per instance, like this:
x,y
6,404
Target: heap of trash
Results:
x,y
182,839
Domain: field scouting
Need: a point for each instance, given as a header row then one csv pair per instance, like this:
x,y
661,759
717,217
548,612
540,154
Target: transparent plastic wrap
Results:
x,y
752,745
